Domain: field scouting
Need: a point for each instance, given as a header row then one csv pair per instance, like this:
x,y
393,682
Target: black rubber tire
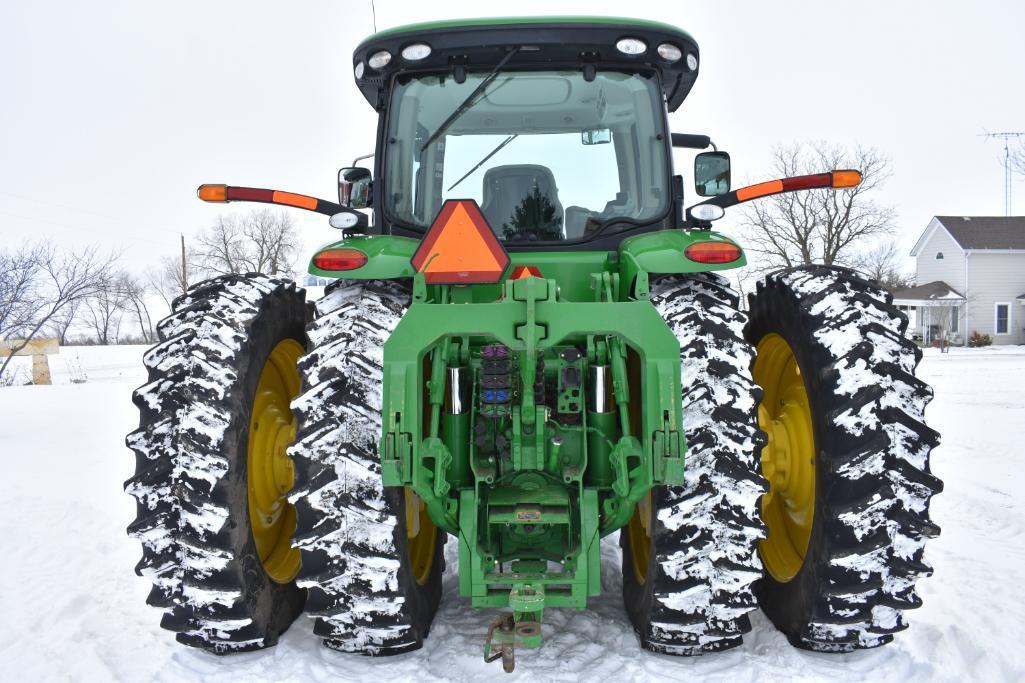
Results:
x,y
697,592
351,530
190,479
873,483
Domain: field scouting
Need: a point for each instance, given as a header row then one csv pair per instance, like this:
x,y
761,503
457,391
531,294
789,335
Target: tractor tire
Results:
x,y
693,592
192,463
365,593
868,483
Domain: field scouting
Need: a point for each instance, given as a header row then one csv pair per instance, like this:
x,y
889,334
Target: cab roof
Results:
x,y
545,42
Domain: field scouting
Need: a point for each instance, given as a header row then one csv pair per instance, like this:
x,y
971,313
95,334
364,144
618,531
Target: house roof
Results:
x,y
986,232
932,291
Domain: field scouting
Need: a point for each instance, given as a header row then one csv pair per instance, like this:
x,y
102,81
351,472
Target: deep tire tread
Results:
x,y
350,529
189,551
879,484
697,595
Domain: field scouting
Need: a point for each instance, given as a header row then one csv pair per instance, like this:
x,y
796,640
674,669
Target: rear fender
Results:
x,y
662,252
388,257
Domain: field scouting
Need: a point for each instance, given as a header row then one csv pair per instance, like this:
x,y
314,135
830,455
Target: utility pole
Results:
x,y
1006,137
185,272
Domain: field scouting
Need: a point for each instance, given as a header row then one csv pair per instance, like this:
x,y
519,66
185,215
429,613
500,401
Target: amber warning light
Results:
x,y
460,248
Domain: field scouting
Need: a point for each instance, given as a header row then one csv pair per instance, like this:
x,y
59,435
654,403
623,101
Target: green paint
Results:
x,y
536,478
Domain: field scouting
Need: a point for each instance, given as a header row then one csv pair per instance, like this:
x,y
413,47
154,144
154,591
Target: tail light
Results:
x,y
712,252
340,259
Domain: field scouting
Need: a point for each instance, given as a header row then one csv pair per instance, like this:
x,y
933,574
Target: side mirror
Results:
x,y
712,173
354,187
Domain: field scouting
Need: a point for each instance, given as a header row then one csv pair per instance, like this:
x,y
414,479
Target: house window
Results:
x,y
939,255
955,315
1003,315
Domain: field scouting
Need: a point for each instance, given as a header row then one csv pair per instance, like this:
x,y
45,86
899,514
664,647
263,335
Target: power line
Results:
x,y
77,210
1006,137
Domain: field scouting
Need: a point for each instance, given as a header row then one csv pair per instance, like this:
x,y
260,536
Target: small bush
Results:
x,y
977,340
16,376
75,371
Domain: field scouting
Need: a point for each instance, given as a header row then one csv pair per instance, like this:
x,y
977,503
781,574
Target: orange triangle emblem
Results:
x,y
520,272
460,248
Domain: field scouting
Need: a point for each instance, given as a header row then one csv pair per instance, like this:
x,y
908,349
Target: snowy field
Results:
x,y
71,607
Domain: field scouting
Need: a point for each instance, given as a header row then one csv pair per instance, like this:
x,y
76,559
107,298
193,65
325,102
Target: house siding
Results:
x,y
996,278
949,269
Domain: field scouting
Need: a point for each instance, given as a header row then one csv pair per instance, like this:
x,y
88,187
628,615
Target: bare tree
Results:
x,y
819,226
106,308
261,241
19,282
1018,159
60,324
134,291
882,264
58,279
122,296
166,277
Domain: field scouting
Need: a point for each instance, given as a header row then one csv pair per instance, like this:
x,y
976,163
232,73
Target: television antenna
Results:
x,y
1006,137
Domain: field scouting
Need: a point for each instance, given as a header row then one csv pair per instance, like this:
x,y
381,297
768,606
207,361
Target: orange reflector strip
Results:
x,y
213,193
299,200
759,190
460,247
712,252
340,259
846,178
520,272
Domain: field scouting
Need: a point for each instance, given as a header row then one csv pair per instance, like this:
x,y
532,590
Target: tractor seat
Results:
x,y
505,190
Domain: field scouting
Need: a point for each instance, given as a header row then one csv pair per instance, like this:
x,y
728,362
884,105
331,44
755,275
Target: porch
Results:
x,y
935,312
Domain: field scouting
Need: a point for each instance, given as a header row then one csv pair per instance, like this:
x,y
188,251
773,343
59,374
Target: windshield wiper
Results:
x,y
470,101
485,159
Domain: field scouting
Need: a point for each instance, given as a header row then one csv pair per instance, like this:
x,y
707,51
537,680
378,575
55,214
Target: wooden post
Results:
x,y
39,349
185,270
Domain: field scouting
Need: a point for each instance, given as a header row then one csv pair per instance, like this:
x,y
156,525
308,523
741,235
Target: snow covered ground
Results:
x,y
72,608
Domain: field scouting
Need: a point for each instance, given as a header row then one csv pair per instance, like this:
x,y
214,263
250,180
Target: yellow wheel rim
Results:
x,y
788,459
421,534
270,478
640,538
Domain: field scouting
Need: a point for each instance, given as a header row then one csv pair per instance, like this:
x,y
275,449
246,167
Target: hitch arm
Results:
x,y
228,193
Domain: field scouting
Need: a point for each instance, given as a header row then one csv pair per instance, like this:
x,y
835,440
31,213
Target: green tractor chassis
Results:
x,y
510,410
512,459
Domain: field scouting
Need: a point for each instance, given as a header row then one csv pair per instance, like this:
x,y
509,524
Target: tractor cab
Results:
x,y
556,128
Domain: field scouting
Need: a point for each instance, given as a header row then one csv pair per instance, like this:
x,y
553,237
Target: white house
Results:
x,y
970,277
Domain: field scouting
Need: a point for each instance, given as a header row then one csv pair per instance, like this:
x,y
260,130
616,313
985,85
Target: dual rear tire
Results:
x,y
219,499
834,435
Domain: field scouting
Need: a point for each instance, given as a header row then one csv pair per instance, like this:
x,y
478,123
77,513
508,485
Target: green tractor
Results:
x,y
529,349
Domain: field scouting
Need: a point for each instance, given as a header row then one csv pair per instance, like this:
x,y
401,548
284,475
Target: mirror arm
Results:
x,y
364,156
229,193
817,181
691,141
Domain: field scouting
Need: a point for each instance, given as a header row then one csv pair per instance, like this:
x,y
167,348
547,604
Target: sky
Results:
x,y
111,113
